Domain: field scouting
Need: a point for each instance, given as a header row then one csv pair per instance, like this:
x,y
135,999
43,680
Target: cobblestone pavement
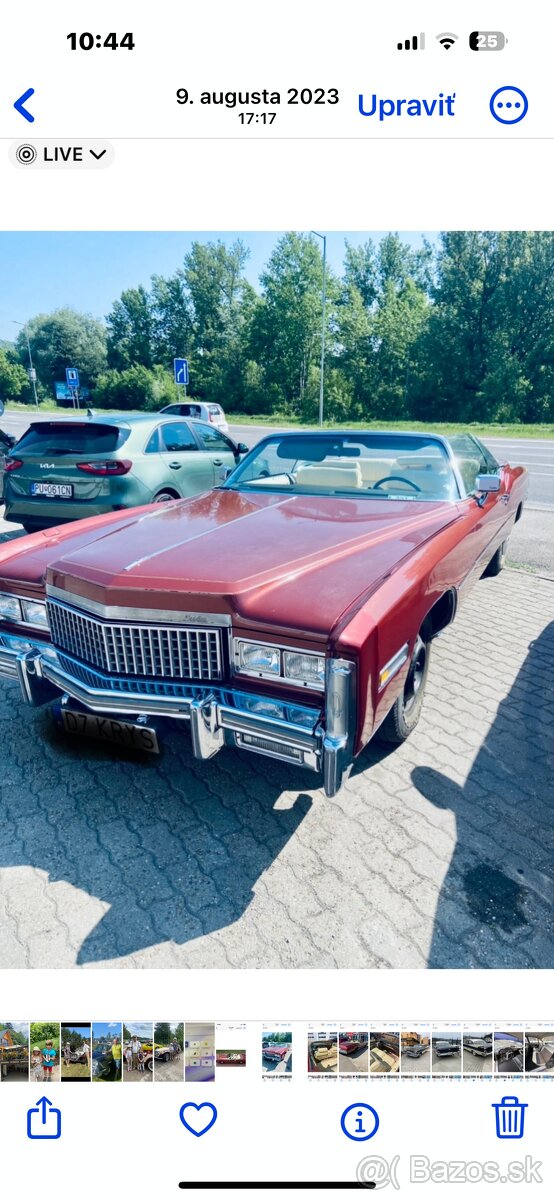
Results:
x,y
439,853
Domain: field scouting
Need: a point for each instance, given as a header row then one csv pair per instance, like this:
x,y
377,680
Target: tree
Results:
x,y
135,388
64,338
162,1033
14,384
172,319
286,334
130,330
223,304
383,310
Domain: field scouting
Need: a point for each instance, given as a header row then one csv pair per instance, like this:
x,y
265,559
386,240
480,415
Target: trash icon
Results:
x,y
510,1117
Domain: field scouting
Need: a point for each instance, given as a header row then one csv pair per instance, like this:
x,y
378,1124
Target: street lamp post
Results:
x,y
323,304
32,373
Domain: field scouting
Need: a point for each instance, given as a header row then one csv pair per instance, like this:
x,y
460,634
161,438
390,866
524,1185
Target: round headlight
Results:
x,y
34,613
10,608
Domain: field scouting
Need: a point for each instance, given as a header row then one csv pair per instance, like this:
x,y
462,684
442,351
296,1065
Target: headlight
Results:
x,y
34,613
264,660
304,668
10,608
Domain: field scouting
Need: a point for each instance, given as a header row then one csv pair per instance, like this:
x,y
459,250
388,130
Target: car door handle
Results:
x,y
217,462
175,466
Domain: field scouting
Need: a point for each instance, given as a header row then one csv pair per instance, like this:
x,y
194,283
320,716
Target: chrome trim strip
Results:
x,y
112,612
393,666
227,712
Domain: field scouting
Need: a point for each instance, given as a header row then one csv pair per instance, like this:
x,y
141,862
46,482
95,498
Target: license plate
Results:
x,y
107,729
54,491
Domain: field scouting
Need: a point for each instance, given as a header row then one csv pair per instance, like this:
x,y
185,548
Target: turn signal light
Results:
x,y
110,467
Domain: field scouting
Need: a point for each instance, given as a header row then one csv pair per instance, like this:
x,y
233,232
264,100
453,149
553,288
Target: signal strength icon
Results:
x,y
417,42
447,39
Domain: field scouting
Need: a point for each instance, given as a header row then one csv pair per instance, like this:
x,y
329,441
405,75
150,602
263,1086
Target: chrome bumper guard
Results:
x,y
293,733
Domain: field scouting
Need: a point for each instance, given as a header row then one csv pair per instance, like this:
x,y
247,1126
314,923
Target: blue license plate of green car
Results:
x,y
54,491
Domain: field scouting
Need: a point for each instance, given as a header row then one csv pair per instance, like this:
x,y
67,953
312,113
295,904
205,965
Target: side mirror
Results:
x,y
487,483
242,448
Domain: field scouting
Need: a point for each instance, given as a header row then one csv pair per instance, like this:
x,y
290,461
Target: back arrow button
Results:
x,y
20,103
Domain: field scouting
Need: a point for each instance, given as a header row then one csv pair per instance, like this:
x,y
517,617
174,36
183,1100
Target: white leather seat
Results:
x,y
335,476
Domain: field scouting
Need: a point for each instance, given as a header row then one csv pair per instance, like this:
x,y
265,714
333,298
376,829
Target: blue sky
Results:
x,y
102,1029
142,1029
88,271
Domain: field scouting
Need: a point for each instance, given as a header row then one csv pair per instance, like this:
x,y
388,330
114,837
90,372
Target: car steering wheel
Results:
x,y
396,479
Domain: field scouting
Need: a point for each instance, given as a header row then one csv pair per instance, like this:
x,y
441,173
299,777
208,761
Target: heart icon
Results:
x,y
199,1122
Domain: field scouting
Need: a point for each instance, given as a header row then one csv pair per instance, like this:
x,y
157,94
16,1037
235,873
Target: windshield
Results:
x,y
57,438
384,466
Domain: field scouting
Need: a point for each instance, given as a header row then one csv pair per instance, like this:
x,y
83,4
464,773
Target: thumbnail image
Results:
x,y
200,1051
416,1053
477,1053
168,1048
322,1053
539,1053
14,1051
138,1052
44,1042
75,1051
446,1053
106,1051
277,1053
353,1053
384,1053
230,1058
509,1053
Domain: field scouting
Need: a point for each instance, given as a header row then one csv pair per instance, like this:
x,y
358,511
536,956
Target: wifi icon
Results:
x,y
447,39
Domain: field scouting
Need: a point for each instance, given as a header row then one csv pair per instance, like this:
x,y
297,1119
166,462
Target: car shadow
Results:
x,y
172,846
498,893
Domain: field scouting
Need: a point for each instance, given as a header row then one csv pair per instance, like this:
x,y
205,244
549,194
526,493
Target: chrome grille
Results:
x,y
151,651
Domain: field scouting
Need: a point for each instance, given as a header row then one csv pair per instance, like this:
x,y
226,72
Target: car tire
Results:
x,y
406,710
163,497
498,561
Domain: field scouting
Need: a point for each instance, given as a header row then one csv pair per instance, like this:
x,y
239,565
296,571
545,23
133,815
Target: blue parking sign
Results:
x,y
72,377
181,370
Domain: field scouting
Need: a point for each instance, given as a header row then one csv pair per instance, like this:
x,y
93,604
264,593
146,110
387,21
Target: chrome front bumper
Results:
x,y
295,733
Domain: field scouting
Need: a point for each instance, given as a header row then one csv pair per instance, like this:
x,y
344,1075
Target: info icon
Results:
x,y
359,1122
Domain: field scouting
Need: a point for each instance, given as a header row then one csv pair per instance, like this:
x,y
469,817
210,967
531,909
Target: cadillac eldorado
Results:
x,y
288,612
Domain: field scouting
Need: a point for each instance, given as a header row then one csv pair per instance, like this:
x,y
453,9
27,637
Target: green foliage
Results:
x,y
14,384
61,339
135,387
460,333
43,1031
162,1033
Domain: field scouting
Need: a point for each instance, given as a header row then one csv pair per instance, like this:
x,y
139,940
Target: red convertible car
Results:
x,y
275,1053
288,612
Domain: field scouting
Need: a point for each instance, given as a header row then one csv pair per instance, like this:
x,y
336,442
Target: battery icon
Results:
x,y
510,1117
487,40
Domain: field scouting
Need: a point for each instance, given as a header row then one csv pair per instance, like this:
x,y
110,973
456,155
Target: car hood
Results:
x,y
294,562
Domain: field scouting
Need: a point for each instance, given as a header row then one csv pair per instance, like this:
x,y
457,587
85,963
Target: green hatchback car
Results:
x,y
64,470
